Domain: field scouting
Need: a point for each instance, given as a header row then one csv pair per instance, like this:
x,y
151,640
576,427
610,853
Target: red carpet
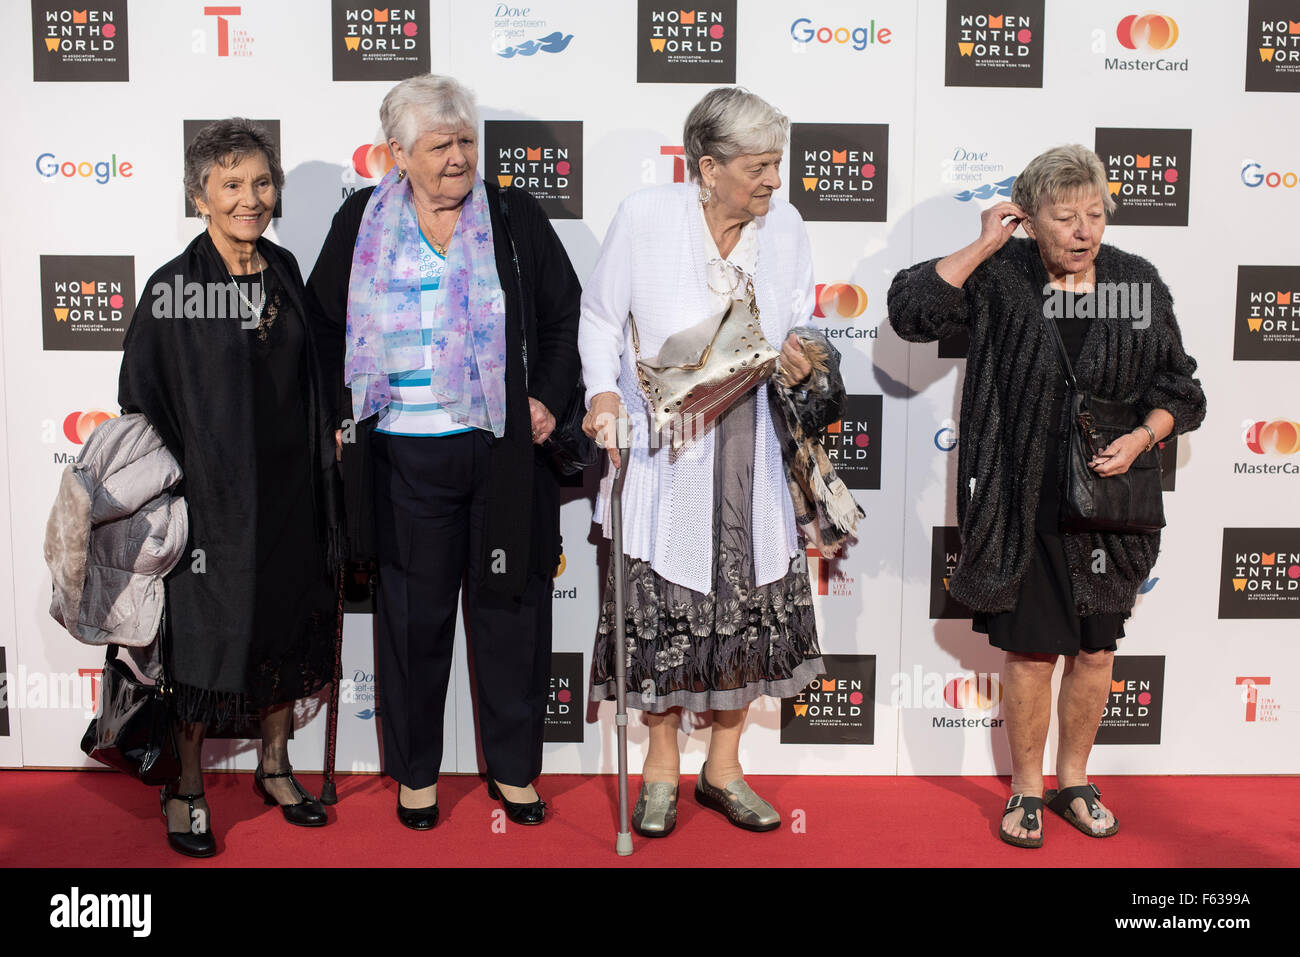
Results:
x,y
98,819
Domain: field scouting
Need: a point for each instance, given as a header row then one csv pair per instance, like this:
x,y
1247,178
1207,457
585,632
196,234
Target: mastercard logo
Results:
x,y
78,425
1150,31
981,692
841,299
372,161
1280,437
559,569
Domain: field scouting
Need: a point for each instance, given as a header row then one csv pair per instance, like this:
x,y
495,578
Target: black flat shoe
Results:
x,y
308,812
532,812
416,818
194,842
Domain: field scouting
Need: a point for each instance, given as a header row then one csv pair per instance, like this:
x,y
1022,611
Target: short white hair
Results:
x,y
731,122
1061,172
423,103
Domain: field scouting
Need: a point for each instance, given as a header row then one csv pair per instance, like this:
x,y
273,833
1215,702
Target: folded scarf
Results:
x,y
467,354
824,508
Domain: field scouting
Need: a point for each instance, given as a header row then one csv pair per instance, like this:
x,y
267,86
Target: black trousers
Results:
x,y
430,511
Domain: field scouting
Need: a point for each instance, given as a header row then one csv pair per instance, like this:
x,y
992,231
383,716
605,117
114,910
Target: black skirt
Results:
x,y
1045,620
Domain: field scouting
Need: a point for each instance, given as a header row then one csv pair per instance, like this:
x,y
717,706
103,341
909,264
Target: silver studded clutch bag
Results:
x,y
701,371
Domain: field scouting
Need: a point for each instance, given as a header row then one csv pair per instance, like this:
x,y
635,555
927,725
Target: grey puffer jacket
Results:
x,y
114,532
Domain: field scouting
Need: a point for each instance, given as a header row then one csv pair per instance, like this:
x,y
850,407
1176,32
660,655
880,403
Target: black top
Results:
x,y
1073,329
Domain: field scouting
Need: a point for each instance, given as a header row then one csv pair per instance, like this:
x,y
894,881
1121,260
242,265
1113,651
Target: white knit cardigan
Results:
x,y
653,265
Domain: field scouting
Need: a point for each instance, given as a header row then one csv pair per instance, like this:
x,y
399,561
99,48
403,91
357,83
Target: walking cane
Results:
x,y
328,792
623,845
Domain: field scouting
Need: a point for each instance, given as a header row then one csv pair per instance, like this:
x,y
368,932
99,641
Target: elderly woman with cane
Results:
x,y
238,399
1042,587
718,606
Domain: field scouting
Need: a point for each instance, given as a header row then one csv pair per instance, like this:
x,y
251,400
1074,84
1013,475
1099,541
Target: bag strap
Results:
x,y
1061,354
519,280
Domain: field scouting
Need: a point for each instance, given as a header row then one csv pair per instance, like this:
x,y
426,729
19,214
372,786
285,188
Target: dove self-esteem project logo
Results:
x,y
518,32
543,157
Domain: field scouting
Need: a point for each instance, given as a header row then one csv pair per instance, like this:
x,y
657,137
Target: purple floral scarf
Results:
x,y
467,357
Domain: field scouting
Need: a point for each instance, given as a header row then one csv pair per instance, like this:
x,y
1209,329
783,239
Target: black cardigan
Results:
x,y
1012,377
523,506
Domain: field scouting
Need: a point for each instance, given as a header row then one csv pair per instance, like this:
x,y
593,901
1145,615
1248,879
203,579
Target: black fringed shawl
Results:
x,y
190,378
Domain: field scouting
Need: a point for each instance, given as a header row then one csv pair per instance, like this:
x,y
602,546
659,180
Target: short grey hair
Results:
x,y
1060,172
225,143
423,103
731,122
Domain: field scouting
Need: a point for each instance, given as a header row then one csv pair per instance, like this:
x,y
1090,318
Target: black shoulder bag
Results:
x,y
571,450
132,730
1131,502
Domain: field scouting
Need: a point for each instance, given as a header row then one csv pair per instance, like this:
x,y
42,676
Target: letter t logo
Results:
x,y
223,26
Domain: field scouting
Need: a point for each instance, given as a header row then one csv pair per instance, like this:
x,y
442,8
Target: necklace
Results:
x,y
441,248
255,310
731,270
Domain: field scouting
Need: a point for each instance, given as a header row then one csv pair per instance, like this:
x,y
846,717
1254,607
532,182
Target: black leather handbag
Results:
x,y
132,730
1131,502
571,450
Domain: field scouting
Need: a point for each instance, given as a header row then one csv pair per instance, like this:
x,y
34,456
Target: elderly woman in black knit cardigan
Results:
x,y
1036,591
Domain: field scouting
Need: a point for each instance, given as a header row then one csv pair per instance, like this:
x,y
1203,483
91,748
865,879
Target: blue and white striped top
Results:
x,y
414,409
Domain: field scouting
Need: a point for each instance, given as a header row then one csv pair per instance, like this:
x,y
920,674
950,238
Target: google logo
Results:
x,y
845,299
102,171
1252,177
802,31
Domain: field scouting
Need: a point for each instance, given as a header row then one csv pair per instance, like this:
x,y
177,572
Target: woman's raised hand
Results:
x,y
996,228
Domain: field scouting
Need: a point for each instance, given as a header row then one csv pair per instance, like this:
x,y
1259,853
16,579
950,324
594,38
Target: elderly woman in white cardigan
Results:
x,y
719,610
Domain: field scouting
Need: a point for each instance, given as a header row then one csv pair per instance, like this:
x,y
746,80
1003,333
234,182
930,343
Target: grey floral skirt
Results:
x,y
722,650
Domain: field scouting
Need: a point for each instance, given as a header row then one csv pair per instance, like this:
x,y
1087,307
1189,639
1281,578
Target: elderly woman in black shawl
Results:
x,y
220,360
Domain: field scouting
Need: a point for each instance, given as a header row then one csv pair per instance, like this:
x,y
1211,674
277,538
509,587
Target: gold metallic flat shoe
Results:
x,y
738,802
655,814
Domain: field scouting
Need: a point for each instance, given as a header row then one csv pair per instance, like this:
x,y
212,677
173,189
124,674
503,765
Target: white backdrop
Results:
x,y
944,142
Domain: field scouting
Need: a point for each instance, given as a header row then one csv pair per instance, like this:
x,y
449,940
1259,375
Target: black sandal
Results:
x,y
1059,802
1030,820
